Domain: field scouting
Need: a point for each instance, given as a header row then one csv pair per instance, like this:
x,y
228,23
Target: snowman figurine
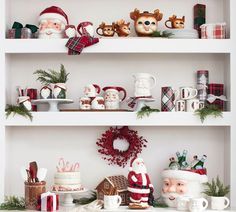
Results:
x,y
25,101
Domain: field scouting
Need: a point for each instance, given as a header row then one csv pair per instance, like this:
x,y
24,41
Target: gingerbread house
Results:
x,y
119,182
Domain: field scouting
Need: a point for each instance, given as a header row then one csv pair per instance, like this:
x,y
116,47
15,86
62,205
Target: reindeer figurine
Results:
x,y
122,29
145,23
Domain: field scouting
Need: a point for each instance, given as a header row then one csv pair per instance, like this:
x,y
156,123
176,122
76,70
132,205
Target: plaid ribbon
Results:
x,y
132,101
167,99
217,31
217,90
76,45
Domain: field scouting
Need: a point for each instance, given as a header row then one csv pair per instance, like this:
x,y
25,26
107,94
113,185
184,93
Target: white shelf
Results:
x,y
122,45
116,119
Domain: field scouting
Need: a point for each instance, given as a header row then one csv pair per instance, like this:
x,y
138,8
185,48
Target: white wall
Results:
x,y
47,144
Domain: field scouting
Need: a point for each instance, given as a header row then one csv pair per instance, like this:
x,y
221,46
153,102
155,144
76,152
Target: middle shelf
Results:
x,y
116,119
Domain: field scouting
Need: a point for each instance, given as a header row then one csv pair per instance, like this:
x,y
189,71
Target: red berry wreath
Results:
x,y
116,156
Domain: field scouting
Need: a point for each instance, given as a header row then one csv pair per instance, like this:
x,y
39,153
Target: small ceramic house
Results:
x,y
119,182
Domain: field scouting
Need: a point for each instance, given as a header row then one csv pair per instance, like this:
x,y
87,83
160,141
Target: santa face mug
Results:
x,y
112,202
91,90
59,91
98,103
198,204
188,93
85,103
194,104
144,82
46,92
112,97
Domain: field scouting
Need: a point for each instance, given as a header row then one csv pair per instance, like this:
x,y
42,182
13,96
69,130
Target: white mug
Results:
x,y
188,93
219,203
183,203
112,202
193,105
144,82
85,103
180,106
198,204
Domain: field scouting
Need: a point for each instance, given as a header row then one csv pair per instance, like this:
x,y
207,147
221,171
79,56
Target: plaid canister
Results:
x,y
168,98
213,31
202,84
216,90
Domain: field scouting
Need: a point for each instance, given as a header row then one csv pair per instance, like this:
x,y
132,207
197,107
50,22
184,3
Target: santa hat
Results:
x,y
133,161
22,99
189,175
54,12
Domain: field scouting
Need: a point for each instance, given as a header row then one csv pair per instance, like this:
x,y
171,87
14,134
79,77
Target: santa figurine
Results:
x,y
52,23
139,185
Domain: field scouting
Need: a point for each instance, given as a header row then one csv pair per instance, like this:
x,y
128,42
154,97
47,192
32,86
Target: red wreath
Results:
x,y
115,156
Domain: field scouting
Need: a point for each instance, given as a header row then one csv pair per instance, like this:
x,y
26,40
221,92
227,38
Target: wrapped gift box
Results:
x,y
48,202
217,90
213,31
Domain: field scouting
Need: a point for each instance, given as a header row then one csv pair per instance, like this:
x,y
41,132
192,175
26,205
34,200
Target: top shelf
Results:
x,y
122,45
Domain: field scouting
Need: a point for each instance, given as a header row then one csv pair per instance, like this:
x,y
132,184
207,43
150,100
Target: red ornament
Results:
x,y
116,156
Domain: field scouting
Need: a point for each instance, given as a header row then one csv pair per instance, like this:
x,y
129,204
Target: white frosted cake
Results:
x,y
67,177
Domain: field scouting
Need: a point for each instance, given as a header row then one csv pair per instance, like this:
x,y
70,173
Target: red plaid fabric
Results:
x,y
217,31
167,99
217,90
76,45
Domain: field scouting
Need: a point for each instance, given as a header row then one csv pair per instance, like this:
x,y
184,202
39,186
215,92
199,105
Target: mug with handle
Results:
x,y
219,203
194,104
112,201
198,204
188,93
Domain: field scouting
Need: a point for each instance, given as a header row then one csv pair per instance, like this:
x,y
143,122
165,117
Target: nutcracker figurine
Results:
x,y
139,185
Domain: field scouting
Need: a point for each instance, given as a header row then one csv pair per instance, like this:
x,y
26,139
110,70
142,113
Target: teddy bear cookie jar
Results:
x,y
145,23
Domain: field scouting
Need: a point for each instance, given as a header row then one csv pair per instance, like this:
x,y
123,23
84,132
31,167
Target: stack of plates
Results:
x,y
183,33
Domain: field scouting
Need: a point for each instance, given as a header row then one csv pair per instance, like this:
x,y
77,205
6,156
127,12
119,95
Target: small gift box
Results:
x,y
216,95
48,202
213,31
18,31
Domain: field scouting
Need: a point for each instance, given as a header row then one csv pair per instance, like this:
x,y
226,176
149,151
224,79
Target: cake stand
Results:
x,y
53,103
68,198
141,102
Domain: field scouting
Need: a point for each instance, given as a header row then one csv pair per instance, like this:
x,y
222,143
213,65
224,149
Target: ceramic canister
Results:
x,y
202,84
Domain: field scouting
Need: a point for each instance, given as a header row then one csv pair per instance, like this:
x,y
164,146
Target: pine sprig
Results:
x,y
13,203
20,110
86,200
216,188
52,76
163,34
146,111
209,110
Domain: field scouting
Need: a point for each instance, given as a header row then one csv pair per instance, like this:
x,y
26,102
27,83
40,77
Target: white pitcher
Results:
x,y
144,82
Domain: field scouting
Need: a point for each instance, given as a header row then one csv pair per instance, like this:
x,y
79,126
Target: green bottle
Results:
x,y
200,163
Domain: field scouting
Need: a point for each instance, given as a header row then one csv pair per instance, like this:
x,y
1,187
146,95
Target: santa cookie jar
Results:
x,y
52,23
91,90
139,185
183,183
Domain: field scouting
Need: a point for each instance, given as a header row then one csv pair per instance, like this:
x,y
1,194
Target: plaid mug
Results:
x,y
168,98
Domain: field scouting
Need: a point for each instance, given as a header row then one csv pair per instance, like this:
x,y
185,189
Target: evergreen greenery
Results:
x,y
209,110
13,203
86,200
216,188
20,110
146,111
163,34
159,204
51,76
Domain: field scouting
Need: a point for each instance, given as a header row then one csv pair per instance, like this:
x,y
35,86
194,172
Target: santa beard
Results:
x,y
50,33
171,198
